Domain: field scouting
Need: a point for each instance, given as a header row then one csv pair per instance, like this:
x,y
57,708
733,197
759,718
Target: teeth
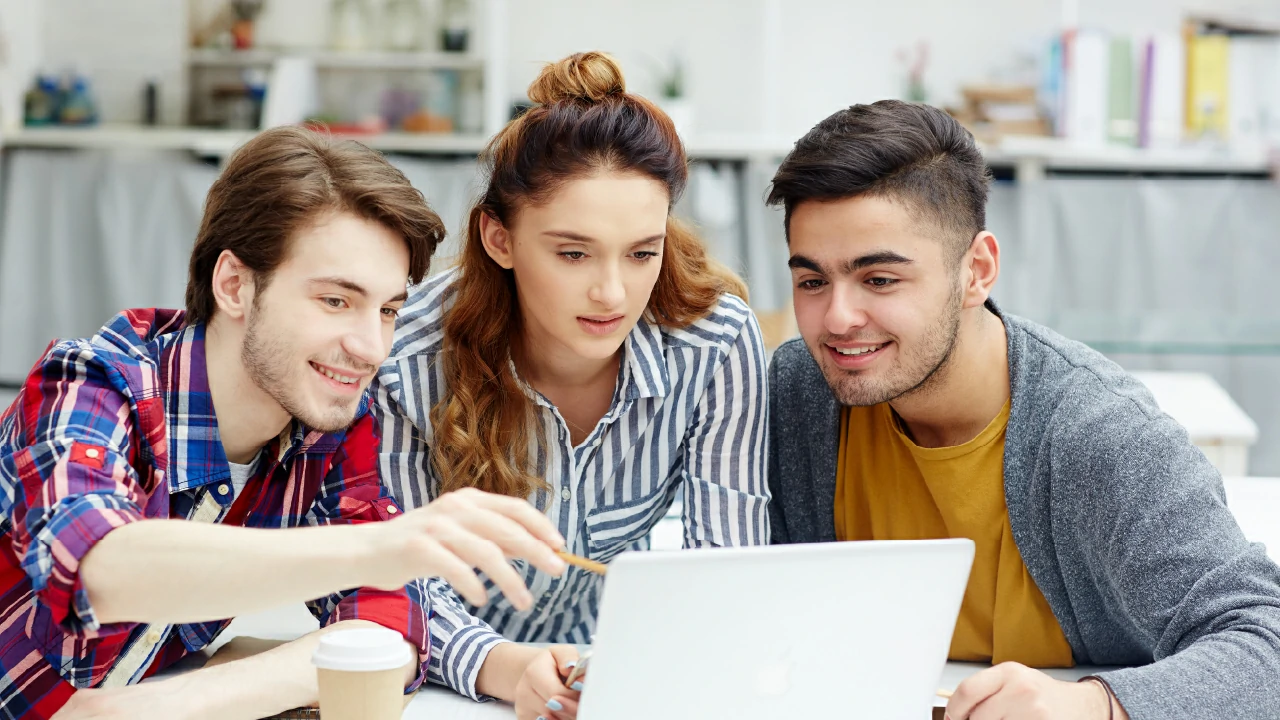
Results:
x,y
333,376
858,351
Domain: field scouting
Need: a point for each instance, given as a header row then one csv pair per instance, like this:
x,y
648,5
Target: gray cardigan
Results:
x,y
1121,521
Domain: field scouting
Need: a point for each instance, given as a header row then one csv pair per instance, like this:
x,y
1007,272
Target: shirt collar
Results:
x,y
646,362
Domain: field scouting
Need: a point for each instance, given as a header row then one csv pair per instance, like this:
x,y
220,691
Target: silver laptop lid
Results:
x,y
853,629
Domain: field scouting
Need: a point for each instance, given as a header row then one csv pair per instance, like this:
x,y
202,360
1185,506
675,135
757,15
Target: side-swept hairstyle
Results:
x,y
915,154
287,177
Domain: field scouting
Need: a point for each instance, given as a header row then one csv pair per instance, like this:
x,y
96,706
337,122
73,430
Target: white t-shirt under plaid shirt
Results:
x,y
688,416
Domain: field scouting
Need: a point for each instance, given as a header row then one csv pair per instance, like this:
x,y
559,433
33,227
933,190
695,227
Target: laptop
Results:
x,y
835,630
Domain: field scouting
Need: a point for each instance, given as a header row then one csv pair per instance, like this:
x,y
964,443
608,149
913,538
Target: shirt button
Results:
x,y
393,510
565,493
91,453
596,443
153,637
223,489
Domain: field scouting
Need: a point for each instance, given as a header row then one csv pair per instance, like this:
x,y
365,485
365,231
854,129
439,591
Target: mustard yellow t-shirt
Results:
x,y
889,488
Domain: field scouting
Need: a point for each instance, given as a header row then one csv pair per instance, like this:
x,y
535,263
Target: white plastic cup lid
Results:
x,y
362,650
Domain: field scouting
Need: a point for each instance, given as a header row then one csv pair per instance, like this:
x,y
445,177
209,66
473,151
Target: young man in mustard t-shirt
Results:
x,y
913,408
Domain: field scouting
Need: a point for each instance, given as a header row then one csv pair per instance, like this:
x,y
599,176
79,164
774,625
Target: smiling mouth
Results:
x,y
336,377
854,352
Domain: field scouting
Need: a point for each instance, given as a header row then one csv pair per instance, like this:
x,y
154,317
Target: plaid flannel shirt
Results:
x,y
120,428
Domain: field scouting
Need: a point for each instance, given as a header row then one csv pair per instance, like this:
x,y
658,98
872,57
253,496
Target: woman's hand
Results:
x,y
541,692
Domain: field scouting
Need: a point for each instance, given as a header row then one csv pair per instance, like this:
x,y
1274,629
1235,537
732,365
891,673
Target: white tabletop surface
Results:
x,y
1255,501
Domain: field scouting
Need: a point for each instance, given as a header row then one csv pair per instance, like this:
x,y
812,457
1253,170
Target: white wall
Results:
x,y
21,48
830,53
120,45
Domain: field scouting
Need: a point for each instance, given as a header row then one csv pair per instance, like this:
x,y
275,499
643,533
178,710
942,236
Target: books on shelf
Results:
x,y
1215,81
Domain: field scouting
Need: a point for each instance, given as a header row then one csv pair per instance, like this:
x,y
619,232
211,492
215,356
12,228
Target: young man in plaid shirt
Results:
x,y
180,468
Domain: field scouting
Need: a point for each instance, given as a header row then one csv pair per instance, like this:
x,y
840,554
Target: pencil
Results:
x,y
585,564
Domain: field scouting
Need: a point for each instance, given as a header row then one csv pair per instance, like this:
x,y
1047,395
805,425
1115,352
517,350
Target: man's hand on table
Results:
x,y
159,700
1010,690
459,531
541,692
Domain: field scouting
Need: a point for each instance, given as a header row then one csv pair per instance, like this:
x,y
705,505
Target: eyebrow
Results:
x,y
356,288
576,237
852,265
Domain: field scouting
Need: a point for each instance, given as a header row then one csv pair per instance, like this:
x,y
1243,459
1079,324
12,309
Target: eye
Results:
x,y
573,255
390,313
644,255
811,284
335,303
882,282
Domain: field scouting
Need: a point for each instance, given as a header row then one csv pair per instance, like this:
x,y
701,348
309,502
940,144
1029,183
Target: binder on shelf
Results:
x,y
1208,80
1162,91
1085,115
1122,119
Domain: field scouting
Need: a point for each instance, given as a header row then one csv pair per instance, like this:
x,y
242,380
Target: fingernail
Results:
x,y
571,664
577,687
541,718
554,706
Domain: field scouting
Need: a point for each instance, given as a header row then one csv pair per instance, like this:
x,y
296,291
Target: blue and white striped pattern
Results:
x,y
689,417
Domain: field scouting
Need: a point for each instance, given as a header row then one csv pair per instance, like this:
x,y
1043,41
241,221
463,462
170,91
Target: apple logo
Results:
x,y
773,679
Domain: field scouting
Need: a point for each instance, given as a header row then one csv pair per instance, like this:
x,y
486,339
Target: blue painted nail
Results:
x,y
554,706
541,718
571,664
577,686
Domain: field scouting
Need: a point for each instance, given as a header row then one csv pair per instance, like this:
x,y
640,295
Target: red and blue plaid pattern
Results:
x,y
118,428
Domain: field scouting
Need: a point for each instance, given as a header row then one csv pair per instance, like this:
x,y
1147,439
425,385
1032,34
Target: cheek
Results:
x,y
641,283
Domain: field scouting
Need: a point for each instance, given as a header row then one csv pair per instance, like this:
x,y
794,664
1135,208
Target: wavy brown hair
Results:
x,y
584,122
286,178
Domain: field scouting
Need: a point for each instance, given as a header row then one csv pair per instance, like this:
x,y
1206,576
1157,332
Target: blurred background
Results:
x,y
1134,144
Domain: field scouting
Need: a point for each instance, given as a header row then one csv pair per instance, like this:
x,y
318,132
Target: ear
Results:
x,y
983,265
496,240
233,286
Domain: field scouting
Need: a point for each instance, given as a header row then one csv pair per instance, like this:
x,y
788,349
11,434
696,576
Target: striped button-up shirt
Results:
x,y
688,419
120,428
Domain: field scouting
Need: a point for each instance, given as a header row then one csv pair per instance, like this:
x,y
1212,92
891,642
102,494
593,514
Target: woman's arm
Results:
x,y
726,486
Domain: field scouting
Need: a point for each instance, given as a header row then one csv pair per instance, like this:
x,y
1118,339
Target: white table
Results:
x,y
1255,502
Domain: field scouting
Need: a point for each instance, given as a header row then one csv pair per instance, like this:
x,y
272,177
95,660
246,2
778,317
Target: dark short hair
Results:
x,y
282,180
913,153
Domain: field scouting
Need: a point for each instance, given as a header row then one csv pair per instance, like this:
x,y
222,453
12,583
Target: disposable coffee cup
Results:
x,y
361,674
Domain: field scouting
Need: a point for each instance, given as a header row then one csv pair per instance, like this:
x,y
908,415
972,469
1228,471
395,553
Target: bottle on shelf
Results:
x,y
455,25
350,25
402,25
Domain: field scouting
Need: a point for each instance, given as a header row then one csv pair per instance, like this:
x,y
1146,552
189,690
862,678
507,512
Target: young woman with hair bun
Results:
x,y
587,355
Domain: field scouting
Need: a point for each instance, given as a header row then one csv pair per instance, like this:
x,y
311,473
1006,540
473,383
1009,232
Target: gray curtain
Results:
x,y
87,233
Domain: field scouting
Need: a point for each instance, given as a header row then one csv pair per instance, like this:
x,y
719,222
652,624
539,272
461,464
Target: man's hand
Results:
x,y
160,700
541,692
462,530
1010,690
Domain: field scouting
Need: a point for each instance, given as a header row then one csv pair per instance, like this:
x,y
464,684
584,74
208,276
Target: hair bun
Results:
x,y
590,76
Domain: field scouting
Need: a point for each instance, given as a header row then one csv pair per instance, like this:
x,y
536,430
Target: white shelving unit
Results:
x,y
485,61
328,59
1031,158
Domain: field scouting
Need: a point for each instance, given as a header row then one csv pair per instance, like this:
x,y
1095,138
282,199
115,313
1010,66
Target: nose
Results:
x,y
368,340
608,290
845,314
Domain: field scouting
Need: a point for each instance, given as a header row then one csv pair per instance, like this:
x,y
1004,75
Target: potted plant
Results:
x,y
672,98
